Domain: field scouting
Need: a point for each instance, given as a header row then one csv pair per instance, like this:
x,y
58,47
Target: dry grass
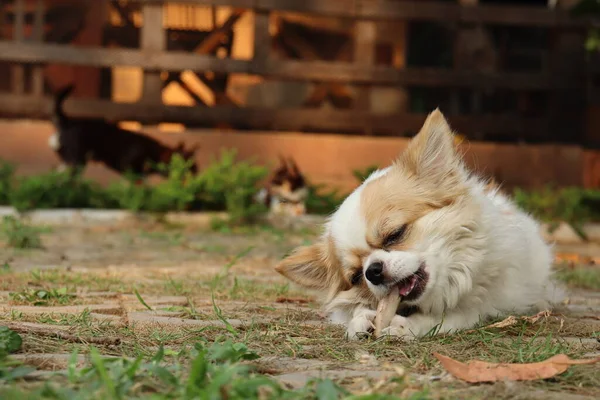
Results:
x,y
243,287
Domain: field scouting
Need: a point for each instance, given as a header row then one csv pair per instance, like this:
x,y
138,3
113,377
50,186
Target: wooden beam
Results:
x,y
262,38
364,54
405,10
37,76
265,118
152,39
339,94
288,70
124,13
208,45
18,71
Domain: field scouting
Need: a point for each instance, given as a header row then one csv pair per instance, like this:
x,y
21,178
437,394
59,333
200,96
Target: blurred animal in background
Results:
x,y
286,191
80,140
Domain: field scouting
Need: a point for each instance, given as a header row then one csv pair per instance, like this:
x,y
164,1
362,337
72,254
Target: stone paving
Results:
x,y
151,256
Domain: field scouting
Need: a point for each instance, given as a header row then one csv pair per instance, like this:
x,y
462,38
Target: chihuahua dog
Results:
x,y
456,250
79,140
286,191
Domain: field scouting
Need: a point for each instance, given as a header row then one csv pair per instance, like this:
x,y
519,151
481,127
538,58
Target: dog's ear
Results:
x,y
311,267
293,167
431,154
283,165
192,150
180,147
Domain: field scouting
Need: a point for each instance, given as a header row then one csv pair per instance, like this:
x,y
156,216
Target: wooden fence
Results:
x,y
560,81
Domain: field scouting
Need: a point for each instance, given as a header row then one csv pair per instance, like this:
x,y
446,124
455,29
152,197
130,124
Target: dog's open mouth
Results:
x,y
413,286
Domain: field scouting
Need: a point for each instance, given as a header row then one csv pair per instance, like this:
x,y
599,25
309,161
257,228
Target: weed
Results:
x,y
580,277
141,300
7,172
5,268
57,190
223,274
321,200
42,297
10,341
216,371
572,205
362,174
20,235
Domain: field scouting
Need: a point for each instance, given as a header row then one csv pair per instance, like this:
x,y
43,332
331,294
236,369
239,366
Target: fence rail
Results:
x,y
559,79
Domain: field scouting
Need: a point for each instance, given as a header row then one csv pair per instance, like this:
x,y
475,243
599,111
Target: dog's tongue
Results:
x,y
406,287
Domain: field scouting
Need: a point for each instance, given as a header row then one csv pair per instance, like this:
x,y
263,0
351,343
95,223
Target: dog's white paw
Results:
x,y
400,327
361,325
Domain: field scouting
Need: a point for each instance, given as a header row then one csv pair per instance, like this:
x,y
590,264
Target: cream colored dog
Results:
x,y
457,251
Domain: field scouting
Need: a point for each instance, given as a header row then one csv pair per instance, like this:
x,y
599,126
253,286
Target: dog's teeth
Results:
x,y
406,289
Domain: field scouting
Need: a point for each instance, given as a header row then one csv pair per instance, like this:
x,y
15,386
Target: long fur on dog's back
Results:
x,y
79,140
58,114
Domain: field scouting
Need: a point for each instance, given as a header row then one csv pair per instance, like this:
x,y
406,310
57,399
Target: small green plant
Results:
x,y
211,371
224,185
362,174
322,201
580,277
233,185
20,235
573,205
42,297
10,341
7,172
57,190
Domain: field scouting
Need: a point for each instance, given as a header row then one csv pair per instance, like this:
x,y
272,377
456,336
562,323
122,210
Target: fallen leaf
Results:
x,y
509,321
296,300
480,371
535,318
573,259
512,320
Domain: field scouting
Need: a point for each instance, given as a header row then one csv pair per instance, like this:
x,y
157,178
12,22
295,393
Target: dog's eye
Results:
x,y
395,236
356,277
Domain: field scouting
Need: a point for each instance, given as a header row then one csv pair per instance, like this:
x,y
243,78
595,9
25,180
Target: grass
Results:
x,y
204,371
580,277
287,335
20,235
164,362
42,297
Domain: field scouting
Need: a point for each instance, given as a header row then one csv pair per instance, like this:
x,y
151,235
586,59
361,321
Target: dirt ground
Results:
x,y
129,288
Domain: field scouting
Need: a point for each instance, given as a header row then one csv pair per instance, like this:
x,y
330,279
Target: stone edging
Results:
x,y
563,234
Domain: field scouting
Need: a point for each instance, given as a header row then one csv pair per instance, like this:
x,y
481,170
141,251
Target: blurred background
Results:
x,y
339,85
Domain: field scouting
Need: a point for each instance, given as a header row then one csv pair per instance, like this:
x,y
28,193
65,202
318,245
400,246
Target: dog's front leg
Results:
x,y
419,325
361,323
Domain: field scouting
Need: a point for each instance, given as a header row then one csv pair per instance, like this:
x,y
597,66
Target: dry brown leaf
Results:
x,y
512,320
573,259
296,300
480,371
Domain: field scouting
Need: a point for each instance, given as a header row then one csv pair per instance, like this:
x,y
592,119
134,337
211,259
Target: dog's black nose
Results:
x,y
375,273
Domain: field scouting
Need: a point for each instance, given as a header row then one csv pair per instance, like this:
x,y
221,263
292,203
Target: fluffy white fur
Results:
x,y
484,257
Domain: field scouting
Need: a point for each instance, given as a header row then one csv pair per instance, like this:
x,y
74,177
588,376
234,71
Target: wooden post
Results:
x,y
37,77
365,35
18,71
567,99
262,37
152,39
